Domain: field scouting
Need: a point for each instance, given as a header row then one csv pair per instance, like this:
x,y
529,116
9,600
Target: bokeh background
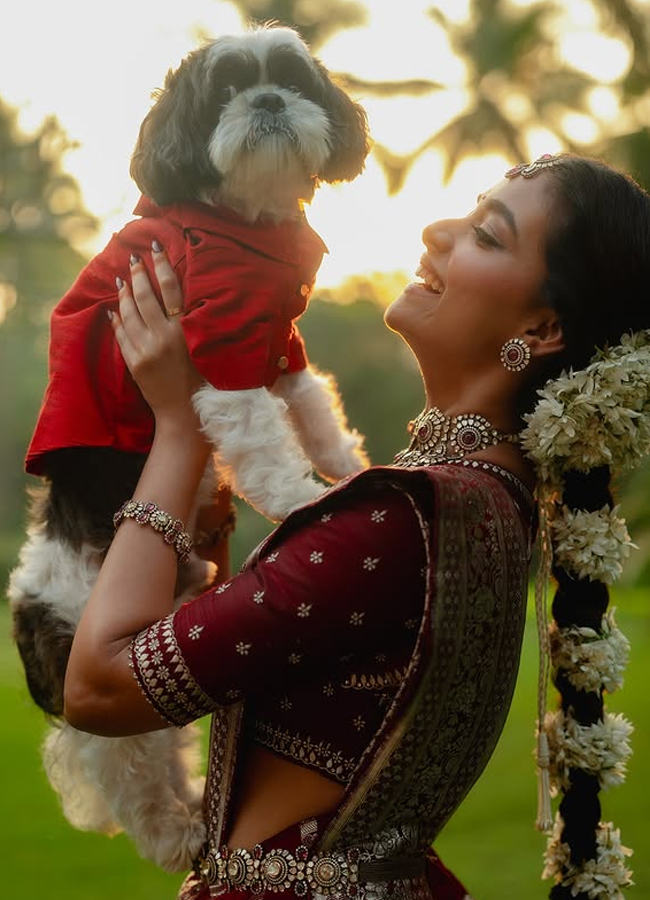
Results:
x,y
456,92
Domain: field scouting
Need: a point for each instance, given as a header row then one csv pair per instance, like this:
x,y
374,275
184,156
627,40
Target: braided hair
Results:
x,y
598,261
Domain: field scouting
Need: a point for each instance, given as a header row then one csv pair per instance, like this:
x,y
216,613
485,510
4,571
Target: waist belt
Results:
x,y
341,872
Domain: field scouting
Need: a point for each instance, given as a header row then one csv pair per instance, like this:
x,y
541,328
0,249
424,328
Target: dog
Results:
x,y
232,150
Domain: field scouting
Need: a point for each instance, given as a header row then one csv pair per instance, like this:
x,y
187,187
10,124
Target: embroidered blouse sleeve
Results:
x,y
328,586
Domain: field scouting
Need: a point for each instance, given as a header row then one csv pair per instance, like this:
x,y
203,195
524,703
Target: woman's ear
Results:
x,y
544,335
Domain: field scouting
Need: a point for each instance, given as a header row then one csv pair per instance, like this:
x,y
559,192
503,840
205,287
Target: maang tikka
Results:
x,y
515,354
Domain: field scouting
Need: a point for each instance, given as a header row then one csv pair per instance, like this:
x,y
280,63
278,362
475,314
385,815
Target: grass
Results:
x,y
491,842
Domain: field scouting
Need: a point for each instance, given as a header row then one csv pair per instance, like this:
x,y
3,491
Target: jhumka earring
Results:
x,y
515,354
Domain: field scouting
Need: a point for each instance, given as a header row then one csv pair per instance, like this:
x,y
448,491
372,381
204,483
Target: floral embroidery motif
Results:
x,y
294,658
271,558
195,632
163,675
326,517
223,587
258,597
304,610
378,515
328,690
359,723
411,623
233,694
318,754
370,563
243,648
286,704
357,618
316,556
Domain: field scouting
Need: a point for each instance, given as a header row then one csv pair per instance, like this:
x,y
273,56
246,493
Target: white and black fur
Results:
x,y
253,122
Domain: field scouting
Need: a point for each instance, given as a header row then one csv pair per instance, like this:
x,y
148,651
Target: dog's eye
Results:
x,y
227,93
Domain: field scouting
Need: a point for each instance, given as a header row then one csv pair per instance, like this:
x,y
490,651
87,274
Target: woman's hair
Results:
x,y
598,256
598,259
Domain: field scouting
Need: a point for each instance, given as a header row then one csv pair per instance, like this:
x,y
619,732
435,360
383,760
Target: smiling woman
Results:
x,y
400,594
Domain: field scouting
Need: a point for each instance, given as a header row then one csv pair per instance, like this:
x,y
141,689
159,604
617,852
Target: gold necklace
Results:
x,y
437,438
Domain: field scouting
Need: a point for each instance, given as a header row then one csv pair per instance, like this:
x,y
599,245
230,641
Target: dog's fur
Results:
x,y
251,122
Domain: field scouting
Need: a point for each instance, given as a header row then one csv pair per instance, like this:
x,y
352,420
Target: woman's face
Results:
x,y
481,278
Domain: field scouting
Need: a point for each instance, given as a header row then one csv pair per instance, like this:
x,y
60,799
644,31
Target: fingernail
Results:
x,y
110,314
134,259
119,283
156,246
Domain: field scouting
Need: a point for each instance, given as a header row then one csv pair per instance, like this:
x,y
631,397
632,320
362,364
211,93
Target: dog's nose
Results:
x,y
269,101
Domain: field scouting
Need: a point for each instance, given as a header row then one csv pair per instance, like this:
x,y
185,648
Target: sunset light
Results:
x,y
97,79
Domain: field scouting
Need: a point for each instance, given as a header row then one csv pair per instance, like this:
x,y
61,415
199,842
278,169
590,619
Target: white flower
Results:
x,y
591,544
591,660
316,556
596,416
370,563
601,749
600,878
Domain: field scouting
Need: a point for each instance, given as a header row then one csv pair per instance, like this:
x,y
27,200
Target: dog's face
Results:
x,y
253,122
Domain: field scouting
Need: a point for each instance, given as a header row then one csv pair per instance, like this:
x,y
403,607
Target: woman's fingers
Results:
x,y
170,289
146,301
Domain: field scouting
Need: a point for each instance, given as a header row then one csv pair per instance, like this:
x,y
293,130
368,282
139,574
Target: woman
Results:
x,y
362,664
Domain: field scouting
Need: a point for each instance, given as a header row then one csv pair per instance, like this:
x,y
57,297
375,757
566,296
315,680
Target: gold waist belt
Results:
x,y
341,872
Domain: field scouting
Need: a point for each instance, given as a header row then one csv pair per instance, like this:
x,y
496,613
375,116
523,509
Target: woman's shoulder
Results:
x,y
465,473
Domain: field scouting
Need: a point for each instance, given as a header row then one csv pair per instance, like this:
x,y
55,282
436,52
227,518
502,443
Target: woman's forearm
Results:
x,y
136,584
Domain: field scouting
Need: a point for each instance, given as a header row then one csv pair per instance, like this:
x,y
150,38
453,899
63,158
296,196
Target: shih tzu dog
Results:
x,y
234,146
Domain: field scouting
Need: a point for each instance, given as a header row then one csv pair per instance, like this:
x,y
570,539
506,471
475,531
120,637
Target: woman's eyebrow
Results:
x,y
500,208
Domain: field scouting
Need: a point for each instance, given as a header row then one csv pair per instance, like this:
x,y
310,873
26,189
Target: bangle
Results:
x,y
172,530
217,535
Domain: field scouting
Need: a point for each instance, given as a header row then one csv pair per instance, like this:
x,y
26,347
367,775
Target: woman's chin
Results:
x,y
405,311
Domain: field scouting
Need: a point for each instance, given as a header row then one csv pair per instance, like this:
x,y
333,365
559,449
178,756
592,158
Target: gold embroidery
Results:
x,y
375,682
317,754
164,677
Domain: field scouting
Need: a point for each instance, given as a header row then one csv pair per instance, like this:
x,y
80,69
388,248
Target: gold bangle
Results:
x,y
171,529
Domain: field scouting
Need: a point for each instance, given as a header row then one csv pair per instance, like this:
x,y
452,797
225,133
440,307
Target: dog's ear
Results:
x,y
351,138
44,643
170,161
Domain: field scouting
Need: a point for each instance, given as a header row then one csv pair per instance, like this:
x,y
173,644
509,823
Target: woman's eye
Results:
x,y
484,237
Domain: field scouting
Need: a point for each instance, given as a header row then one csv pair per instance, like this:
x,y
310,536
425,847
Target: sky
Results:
x,y
95,66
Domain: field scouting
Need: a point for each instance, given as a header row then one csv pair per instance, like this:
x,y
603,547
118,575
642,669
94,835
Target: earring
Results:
x,y
515,354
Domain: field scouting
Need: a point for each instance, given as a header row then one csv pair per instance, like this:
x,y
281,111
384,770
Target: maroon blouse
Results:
x,y
318,630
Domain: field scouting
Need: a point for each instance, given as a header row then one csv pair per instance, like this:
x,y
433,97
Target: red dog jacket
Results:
x,y
243,287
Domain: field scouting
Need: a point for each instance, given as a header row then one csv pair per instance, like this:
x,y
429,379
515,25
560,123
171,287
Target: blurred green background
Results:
x,y
517,81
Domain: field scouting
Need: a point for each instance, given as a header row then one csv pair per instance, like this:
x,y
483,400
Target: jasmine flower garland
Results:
x,y
591,544
601,878
591,660
597,416
601,749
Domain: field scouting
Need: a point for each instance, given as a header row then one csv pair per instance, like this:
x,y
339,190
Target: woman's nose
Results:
x,y
438,236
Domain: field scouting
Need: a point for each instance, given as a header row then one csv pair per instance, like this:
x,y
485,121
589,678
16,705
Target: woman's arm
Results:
x,y
136,584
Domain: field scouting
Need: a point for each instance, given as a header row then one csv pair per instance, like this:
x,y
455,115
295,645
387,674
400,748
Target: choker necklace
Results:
x,y
437,438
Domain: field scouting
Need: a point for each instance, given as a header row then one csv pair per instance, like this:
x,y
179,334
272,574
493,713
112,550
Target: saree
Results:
x,y
439,731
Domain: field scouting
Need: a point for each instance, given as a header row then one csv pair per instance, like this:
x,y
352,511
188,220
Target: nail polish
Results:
x,y
119,283
156,246
134,259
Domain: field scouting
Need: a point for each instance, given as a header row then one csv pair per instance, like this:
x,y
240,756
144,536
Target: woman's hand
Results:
x,y
152,342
